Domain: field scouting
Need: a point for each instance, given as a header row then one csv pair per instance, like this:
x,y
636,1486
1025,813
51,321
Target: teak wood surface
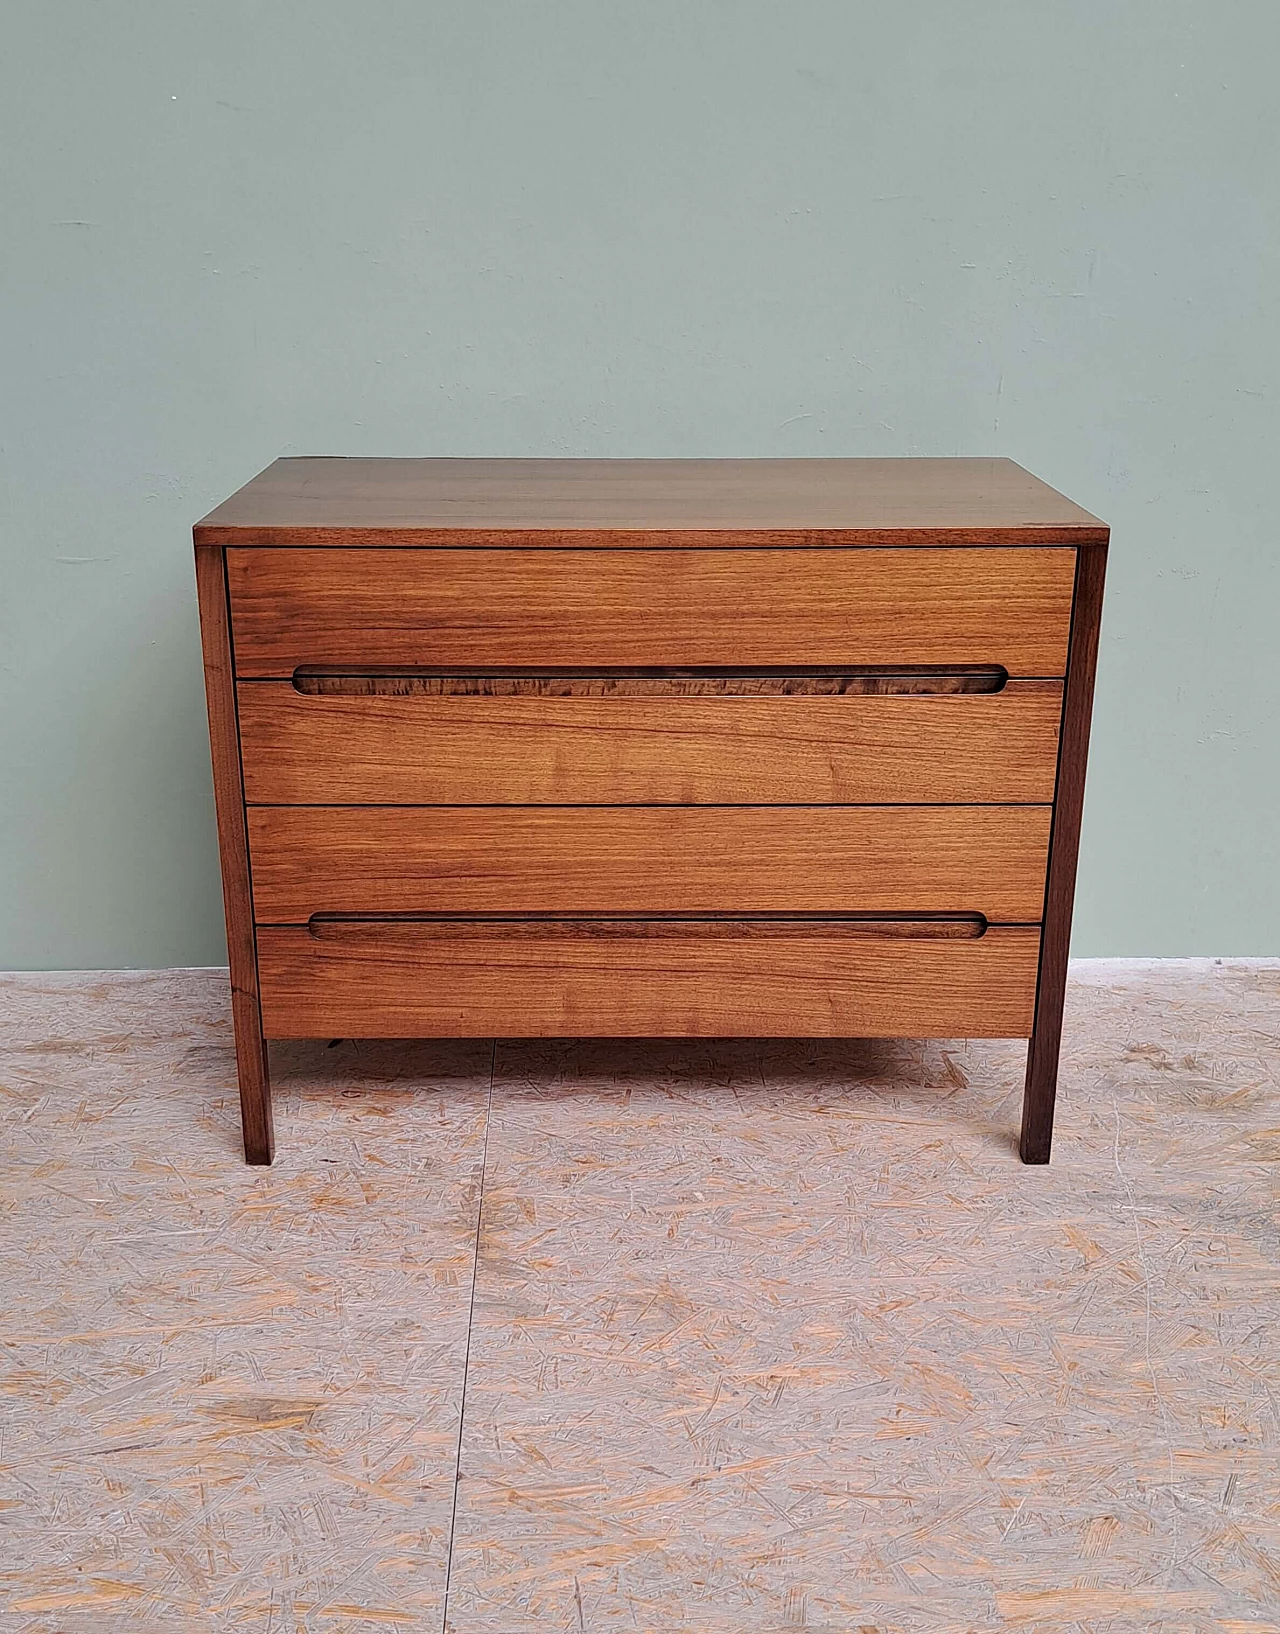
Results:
x,y
653,681
228,793
648,859
1042,1056
326,749
689,981
706,504
293,608
455,696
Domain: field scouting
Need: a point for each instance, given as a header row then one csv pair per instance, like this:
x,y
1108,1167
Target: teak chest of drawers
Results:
x,y
649,748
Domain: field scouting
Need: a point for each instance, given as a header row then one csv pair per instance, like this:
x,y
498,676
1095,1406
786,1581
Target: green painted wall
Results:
x,y
234,230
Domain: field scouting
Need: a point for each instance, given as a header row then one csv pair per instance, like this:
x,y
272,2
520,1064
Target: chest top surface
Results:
x,y
632,503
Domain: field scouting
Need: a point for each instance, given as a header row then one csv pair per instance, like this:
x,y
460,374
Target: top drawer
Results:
x,y
412,608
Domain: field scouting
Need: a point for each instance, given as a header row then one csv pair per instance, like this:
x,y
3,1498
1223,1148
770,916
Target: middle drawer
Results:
x,y
345,747
711,860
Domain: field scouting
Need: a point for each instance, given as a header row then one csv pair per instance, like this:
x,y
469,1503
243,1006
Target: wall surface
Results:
x,y
233,230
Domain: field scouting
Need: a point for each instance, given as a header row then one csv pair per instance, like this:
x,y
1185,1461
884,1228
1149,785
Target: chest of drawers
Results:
x,y
648,748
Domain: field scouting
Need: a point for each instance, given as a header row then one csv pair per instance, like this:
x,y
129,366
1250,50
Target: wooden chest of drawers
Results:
x,y
649,748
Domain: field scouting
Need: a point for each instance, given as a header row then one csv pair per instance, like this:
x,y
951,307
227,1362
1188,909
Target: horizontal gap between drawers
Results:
x,y
499,541
932,927
650,681
640,805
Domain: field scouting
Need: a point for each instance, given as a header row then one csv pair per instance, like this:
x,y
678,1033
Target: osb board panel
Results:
x,y
786,1339
766,1338
229,1397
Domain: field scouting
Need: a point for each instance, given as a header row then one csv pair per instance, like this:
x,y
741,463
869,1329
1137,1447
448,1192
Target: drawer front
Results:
x,y
444,750
298,607
364,860
689,981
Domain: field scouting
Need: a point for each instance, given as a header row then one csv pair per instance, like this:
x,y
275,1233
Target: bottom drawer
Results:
x,y
648,978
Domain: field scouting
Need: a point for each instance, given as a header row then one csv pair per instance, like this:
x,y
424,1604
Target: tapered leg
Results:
x,y
1041,1087
254,1071
233,847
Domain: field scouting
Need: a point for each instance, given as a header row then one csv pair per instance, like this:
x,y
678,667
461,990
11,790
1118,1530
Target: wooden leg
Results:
x,y
254,1071
1041,1087
233,845
1064,842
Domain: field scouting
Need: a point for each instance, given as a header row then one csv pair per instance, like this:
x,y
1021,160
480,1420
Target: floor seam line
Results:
x,y
466,1355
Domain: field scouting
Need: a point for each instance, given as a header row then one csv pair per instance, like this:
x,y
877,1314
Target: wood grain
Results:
x,y
782,1338
648,859
620,750
761,1337
640,503
653,682
412,981
676,607
228,793
1042,1054
267,1363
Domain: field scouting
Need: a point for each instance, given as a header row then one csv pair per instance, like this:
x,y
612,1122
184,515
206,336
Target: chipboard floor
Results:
x,y
734,1338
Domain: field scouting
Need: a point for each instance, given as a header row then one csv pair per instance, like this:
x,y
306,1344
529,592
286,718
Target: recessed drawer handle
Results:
x,y
707,681
919,927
